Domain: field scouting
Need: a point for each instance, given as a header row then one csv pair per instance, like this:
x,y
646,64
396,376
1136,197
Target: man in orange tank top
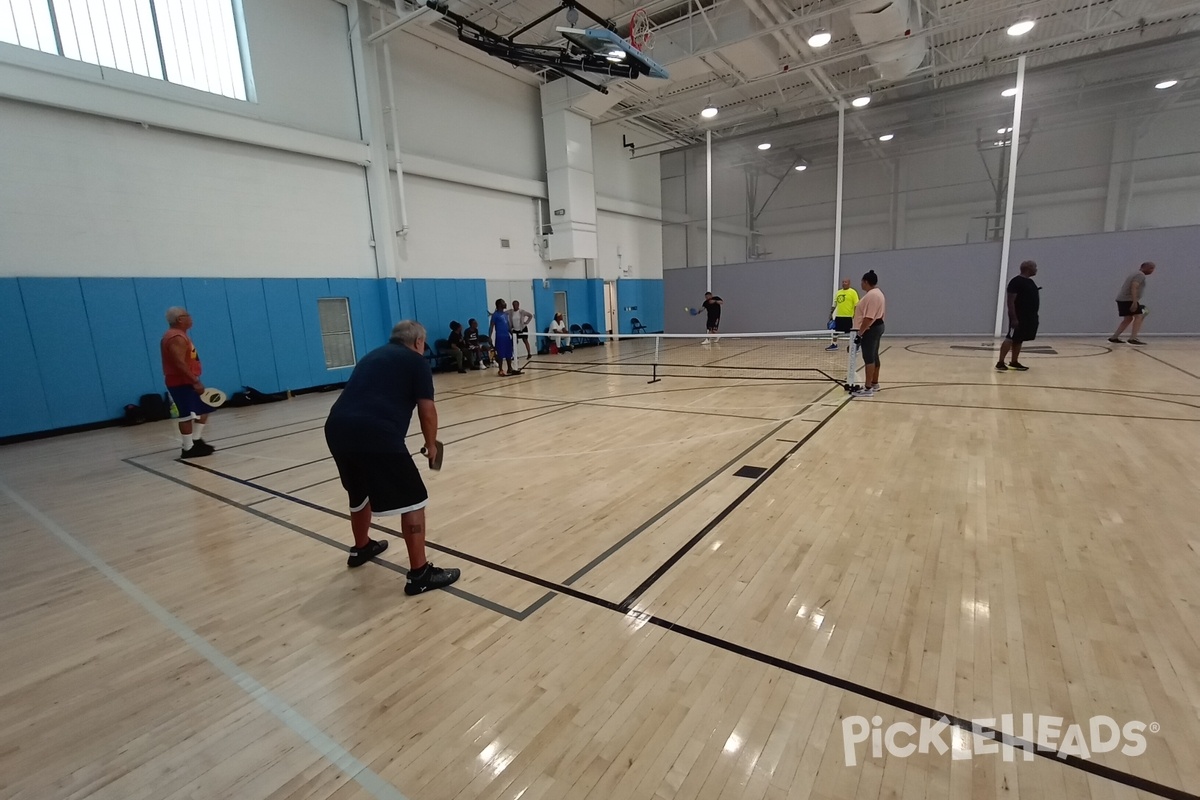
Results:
x,y
181,370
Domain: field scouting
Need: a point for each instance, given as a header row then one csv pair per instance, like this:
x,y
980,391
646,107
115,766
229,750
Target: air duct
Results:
x,y
887,23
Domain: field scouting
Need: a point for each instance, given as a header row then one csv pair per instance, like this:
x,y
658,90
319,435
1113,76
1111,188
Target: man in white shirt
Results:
x,y
518,321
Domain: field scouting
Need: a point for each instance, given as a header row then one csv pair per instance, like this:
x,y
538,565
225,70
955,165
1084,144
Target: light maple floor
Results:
x,y
634,620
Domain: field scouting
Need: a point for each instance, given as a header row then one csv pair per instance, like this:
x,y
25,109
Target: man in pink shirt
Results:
x,y
868,325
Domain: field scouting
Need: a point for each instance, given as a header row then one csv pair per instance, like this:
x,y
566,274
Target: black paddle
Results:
x,y
435,463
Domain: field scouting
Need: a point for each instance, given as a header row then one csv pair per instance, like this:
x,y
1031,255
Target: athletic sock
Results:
x,y
187,440
197,431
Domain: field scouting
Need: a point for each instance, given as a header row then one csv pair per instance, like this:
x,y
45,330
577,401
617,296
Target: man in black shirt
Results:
x,y
365,432
712,304
475,344
1023,302
458,346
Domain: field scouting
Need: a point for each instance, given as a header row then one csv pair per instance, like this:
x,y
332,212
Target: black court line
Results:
x,y
412,435
917,709
653,578
1033,410
562,407
1169,364
910,349
461,593
233,436
639,530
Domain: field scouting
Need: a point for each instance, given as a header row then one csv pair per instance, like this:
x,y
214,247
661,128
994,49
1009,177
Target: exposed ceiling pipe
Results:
x,y
889,26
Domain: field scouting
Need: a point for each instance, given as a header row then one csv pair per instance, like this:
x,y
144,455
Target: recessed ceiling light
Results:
x,y
709,112
1009,92
820,38
765,146
1021,28
801,167
861,102
887,137
1165,84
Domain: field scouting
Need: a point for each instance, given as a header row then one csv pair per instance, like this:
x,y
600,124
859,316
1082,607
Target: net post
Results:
x,y
654,364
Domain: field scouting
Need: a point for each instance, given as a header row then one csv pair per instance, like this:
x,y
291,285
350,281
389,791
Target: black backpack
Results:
x,y
154,407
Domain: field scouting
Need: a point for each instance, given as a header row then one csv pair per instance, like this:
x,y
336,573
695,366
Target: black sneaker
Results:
x,y
1136,341
359,557
1000,367
199,450
1115,340
205,445
1018,366
429,577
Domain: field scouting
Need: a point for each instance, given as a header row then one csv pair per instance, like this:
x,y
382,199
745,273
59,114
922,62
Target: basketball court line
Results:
x,y
655,576
1169,364
885,698
1033,410
454,590
234,436
327,747
412,435
910,347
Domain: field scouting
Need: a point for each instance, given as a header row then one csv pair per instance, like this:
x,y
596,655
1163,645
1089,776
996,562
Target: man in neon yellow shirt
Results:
x,y
845,300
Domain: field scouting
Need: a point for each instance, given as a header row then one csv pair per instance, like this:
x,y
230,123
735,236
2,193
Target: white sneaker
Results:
x,y
706,342
863,394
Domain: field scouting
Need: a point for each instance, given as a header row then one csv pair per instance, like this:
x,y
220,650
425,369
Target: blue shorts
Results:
x,y
188,402
504,346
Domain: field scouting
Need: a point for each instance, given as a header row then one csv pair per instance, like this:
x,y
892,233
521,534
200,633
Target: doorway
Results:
x,y
610,308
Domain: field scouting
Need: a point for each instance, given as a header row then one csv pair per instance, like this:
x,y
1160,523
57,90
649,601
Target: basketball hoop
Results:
x,y
640,35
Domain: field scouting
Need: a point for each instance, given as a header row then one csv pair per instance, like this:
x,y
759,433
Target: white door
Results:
x,y
610,307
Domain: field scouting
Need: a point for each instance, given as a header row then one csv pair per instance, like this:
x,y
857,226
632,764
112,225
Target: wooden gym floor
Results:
x,y
635,619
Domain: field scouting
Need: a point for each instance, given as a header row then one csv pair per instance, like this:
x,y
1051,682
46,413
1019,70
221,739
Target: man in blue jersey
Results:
x,y
501,335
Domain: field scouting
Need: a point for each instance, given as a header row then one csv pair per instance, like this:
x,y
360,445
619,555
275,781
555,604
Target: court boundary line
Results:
x,y
894,701
654,577
470,597
1034,410
1168,363
326,746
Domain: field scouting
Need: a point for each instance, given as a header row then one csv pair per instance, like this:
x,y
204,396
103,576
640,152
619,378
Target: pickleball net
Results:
x,y
791,355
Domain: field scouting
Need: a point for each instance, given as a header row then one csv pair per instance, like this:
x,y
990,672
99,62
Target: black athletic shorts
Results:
x,y
1023,331
869,347
843,324
389,481
713,323
522,334
1125,308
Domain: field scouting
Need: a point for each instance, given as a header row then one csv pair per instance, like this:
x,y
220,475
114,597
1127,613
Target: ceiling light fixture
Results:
x,y
887,137
820,38
1021,28
861,102
1009,92
1004,130
1167,84
709,112
616,54
801,167
765,146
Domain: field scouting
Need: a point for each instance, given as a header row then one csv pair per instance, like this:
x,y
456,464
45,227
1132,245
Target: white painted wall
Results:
x,y
91,192
451,109
214,187
1062,189
81,195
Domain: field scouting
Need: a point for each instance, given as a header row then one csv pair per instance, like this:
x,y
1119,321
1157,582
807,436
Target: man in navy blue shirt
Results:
x,y
365,432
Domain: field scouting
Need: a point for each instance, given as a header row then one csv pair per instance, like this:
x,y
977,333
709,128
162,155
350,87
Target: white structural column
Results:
x,y
1013,153
394,125
374,133
837,209
708,199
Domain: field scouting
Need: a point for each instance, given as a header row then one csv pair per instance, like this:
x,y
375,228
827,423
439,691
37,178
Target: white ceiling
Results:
x,y
751,58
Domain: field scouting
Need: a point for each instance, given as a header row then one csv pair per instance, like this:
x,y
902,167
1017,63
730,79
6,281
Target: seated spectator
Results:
x,y
563,341
458,347
477,345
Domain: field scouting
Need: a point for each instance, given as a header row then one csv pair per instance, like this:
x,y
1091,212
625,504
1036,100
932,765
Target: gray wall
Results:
x,y
952,289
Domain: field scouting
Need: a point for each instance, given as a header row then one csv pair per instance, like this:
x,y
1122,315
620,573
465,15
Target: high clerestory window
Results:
x,y
196,43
